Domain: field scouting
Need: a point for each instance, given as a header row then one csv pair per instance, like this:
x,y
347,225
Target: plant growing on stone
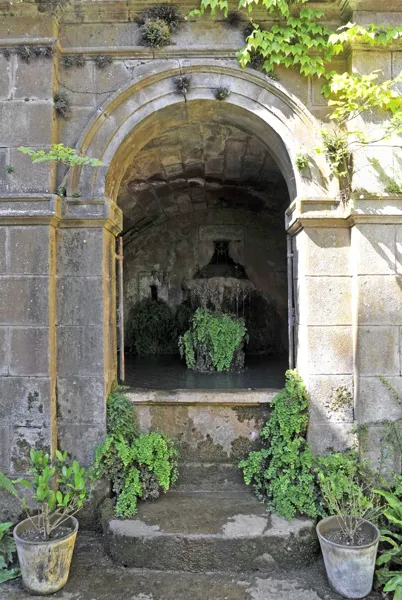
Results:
x,y
103,60
282,472
139,466
165,12
24,52
7,552
182,84
151,328
155,33
302,161
63,155
58,491
214,335
73,60
222,93
62,105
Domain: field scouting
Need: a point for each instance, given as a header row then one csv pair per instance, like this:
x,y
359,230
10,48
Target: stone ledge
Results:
x,y
32,207
224,397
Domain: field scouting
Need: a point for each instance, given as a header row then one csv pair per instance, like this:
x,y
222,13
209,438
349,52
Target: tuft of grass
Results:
x,y
103,60
221,93
25,53
155,33
73,60
182,84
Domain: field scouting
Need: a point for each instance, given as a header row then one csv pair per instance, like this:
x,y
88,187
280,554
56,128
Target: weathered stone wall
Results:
x,y
57,271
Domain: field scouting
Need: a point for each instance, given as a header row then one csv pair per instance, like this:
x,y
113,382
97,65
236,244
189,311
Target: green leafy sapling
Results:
x,y
63,155
58,490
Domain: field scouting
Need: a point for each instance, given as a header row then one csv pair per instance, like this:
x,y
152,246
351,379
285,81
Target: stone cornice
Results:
x,y
31,209
331,212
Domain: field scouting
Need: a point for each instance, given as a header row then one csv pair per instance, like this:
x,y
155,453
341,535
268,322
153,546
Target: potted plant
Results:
x,y
45,539
348,538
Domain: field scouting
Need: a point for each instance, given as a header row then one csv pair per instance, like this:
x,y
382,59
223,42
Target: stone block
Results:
x,y
32,26
363,63
21,442
29,177
30,251
5,77
329,350
399,249
80,252
80,351
81,81
322,251
3,249
107,81
376,402
325,301
331,398
4,449
71,130
24,301
25,401
379,300
29,351
81,399
377,350
89,437
33,80
32,122
80,301
378,448
4,351
99,34
327,436
374,249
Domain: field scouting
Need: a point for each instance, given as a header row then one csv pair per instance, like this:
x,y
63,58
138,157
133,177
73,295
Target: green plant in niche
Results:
x,y
151,328
137,465
282,472
217,335
7,551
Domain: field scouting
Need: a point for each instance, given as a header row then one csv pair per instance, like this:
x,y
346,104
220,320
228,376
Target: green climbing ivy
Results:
x,y
217,334
137,465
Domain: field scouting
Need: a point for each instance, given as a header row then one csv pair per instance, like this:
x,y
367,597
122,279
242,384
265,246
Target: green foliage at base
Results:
x,y
389,576
151,328
217,334
7,551
138,466
282,471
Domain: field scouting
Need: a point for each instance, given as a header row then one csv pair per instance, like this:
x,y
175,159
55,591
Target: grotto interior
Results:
x,y
203,203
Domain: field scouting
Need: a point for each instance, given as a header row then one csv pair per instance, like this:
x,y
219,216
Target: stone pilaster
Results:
x,y
27,328
86,322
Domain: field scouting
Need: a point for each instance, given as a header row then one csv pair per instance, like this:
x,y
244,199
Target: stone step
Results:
x,y
207,531
209,476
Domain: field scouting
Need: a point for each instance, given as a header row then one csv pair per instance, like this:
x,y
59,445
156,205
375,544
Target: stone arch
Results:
x,y
260,106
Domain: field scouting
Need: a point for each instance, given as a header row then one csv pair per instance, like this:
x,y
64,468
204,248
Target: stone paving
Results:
x,y
94,577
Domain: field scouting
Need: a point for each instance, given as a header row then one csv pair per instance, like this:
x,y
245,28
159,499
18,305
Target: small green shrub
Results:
x,y
10,169
25,53
155,33
217,335
62,105
7,551
138,466
102,61
151,328
282,472
43,51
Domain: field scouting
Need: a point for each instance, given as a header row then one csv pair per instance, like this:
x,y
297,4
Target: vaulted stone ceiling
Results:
x,y
196,167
